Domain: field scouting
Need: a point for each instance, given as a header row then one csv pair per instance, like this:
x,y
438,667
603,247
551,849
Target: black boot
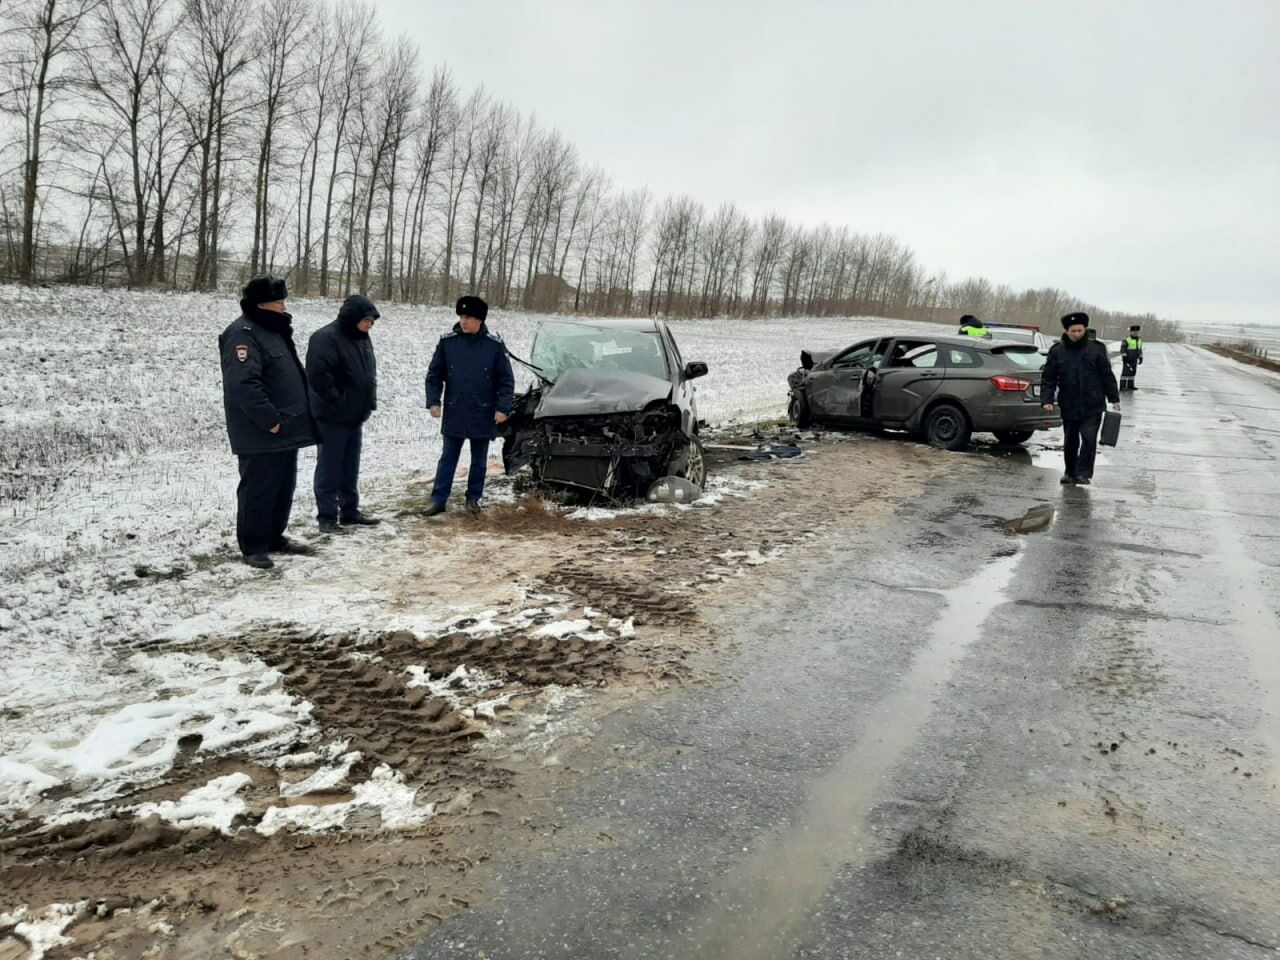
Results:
x,y
473,507
1068,478
358,519
285,545
434,510
259,561
330,526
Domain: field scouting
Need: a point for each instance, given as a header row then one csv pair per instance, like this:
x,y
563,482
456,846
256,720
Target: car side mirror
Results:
x,y
694,369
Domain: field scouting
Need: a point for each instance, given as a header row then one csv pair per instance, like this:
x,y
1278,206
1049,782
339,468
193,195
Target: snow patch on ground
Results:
x,y
213,805
461,682
43,931
228,703
385,792
326,778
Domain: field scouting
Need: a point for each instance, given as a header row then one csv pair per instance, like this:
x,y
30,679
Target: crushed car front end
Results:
x,y
605,418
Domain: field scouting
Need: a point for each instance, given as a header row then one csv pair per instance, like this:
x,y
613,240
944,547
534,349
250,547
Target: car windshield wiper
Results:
x,y
537,371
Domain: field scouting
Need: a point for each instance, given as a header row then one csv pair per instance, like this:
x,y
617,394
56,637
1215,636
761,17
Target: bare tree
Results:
x,y
357,37
219,31
283,27
45,38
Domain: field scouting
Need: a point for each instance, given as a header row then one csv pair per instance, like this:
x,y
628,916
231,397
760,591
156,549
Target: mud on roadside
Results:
x,y
477,751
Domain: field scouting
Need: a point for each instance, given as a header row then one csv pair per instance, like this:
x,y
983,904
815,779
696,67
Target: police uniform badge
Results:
x,y
242,352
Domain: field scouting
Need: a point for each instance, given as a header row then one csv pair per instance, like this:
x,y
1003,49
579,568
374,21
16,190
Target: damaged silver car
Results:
x,y
612,412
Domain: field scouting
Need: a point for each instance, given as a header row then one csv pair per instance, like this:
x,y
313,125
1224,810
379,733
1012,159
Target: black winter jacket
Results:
x,y
341,370
1079,378
263,384
471,375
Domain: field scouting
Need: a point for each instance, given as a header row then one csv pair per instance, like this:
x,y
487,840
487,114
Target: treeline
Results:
x,y
191,143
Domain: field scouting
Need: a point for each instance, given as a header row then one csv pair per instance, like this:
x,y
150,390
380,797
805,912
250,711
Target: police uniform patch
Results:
x,y
242,352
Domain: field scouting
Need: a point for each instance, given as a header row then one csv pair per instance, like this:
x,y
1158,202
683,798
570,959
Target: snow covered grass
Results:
x,y
117,516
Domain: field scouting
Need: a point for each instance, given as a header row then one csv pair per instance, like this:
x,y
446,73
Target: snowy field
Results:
x,y
117,515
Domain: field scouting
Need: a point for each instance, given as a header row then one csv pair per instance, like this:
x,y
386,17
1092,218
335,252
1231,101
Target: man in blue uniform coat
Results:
x,y
264,393
470,388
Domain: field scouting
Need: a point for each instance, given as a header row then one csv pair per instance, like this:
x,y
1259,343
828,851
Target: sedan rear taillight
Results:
x,y
1012,384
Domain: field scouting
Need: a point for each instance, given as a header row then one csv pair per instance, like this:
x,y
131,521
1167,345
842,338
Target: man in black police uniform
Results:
x,y
1078,375
343,378
1130,357
470,385
264,392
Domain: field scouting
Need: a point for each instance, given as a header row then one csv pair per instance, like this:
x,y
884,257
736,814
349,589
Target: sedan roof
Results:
x,y
979,343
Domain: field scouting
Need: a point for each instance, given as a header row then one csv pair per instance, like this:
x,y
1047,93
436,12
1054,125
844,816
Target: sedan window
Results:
x,y
962,357
861,356
914,354
1027,358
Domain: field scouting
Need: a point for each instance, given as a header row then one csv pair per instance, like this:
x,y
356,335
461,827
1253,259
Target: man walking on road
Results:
x,y
343,377
1130,357
1078,375
470,385
264,393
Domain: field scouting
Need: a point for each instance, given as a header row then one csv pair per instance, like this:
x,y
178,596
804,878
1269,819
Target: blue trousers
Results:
x,y
448,466
338,471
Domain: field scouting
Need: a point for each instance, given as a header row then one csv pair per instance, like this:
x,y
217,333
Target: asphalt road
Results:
x,y
942,740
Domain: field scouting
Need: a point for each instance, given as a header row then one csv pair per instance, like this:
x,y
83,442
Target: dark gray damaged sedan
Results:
x,y
942,388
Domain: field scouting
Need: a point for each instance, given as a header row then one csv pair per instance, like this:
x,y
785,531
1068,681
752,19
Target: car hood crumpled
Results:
x,y
811,358
579,393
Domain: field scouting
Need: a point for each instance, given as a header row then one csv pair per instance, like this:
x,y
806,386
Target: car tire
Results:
x,y
695,463
1013,437
947,427
798,410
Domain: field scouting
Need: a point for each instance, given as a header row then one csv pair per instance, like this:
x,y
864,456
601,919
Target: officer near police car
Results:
x,y
264,394
470,389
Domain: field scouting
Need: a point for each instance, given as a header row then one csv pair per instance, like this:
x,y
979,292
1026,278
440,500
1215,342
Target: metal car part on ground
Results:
x,y
612,413
944,389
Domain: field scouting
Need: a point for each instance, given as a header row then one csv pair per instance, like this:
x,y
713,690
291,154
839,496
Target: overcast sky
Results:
x,y
1128,152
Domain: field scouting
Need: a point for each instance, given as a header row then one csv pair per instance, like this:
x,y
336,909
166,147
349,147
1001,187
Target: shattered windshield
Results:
x,y
568,346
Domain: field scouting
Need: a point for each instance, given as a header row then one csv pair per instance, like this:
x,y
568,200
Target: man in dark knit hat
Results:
x,y
1078,375
1130,357
264,393
471,389
343,378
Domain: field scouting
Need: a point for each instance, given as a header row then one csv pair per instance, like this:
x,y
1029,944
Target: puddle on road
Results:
x,y
1036,520
763,904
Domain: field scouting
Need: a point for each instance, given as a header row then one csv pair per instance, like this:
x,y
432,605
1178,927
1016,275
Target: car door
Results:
x,y
836,386
909,375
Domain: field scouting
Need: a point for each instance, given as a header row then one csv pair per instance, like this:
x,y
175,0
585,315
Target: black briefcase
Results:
x,y
1110,428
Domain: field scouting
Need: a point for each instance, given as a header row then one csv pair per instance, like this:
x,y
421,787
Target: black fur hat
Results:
x,y
1071,319
1135,328
968,319
263,289
472,307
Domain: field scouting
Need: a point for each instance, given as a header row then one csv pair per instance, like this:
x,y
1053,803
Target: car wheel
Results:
x,y
695,463
947,427
798,410
1013,436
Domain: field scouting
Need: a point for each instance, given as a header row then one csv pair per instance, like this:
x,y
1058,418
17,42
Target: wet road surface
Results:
x,y
1017,720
